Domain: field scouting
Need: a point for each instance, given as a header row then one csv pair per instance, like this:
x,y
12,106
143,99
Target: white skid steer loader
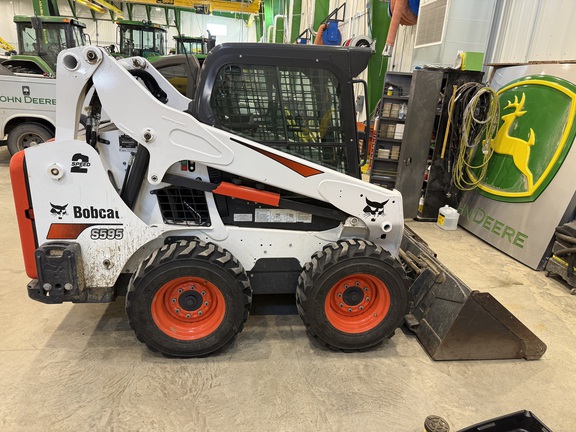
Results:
x,y
189,207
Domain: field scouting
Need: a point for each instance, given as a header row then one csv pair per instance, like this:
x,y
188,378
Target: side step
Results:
x,y
452,322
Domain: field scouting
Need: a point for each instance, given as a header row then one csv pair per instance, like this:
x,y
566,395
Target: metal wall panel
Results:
x,y
401,59
535,30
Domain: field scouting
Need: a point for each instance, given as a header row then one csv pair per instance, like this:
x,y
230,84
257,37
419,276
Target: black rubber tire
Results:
x,y
26,134
333,264
183,259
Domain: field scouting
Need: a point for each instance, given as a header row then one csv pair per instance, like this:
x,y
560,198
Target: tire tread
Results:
x,y
330,256
189,249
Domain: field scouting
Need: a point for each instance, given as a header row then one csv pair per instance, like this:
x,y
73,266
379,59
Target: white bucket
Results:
x,y
448,218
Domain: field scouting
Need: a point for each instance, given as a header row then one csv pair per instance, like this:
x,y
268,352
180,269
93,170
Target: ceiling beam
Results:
x,y
92,6
109,6
247,7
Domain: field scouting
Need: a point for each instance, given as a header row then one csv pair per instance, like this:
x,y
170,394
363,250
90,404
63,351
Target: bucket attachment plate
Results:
x,y
453,322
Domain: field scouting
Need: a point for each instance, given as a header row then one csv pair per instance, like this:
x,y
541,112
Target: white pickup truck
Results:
x,y
27,109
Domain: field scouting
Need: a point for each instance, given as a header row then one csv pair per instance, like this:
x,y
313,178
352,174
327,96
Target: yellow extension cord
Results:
x,y
468,150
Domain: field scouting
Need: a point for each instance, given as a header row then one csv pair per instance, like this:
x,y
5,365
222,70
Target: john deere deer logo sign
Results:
x,y
535,134
518,148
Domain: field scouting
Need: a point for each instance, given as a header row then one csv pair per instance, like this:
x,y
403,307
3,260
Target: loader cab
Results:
x,y
297,99
40,40
199,47
181,71
141,38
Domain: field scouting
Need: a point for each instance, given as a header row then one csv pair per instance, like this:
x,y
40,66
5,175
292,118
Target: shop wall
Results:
x,y
534,30
522,31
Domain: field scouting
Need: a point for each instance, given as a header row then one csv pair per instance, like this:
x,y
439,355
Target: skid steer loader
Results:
x,y
189,207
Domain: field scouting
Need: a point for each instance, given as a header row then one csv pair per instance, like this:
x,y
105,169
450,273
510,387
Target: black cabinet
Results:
x,y
438,189
404,126
409,131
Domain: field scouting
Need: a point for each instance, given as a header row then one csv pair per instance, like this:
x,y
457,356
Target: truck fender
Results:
x,y
17,119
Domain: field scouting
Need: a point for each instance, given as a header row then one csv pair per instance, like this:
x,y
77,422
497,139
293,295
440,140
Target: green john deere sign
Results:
x,y
535,134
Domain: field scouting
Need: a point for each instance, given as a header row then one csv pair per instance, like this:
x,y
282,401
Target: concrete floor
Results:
x,y
79,367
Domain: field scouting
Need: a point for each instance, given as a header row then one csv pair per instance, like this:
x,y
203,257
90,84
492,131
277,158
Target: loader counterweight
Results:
x,y
24,212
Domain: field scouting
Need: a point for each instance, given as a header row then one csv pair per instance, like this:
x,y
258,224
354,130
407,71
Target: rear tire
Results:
x,y
27,134
352,295
188,299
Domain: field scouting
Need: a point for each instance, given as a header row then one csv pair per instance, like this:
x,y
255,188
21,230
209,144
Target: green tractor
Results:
x,y
196,46
141,38
40,39
148,40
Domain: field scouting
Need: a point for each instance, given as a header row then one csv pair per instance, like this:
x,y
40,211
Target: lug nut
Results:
x,y
349,309
203,293
346,286
367,299
180,290
365,288
173,300
341,304
357,283
361,308
177,311
187,315
199,312
206,303
192,287
339,294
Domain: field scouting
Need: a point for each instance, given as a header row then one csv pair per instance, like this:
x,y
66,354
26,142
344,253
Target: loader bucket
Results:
x,y
452,322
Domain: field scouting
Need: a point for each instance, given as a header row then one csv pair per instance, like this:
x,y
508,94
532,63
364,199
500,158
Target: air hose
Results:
x,y
473,114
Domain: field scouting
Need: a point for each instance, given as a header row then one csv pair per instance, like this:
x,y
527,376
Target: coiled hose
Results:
x,y
474,111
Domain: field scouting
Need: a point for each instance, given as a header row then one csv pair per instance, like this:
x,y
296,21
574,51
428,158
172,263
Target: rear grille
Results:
x,y
182,206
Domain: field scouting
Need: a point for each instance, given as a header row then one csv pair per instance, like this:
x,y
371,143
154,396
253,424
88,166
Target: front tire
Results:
x,y
26,135
188,299
352,295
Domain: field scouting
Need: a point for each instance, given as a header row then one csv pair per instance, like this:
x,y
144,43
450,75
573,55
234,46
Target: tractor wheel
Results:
x,y
26,135
352,295
188,299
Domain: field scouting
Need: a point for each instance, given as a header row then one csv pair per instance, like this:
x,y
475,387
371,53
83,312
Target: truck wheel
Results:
x,y
26,135
188,299
352,295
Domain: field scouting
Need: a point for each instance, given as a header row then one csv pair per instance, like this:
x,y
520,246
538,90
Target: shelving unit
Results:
x,y
389,129
405,171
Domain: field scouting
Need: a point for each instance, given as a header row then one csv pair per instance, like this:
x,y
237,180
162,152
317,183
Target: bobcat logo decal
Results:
x,y
58,210
374,209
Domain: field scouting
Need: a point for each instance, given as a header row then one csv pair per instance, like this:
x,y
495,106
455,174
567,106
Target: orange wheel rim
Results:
x,y
188,308
357,303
